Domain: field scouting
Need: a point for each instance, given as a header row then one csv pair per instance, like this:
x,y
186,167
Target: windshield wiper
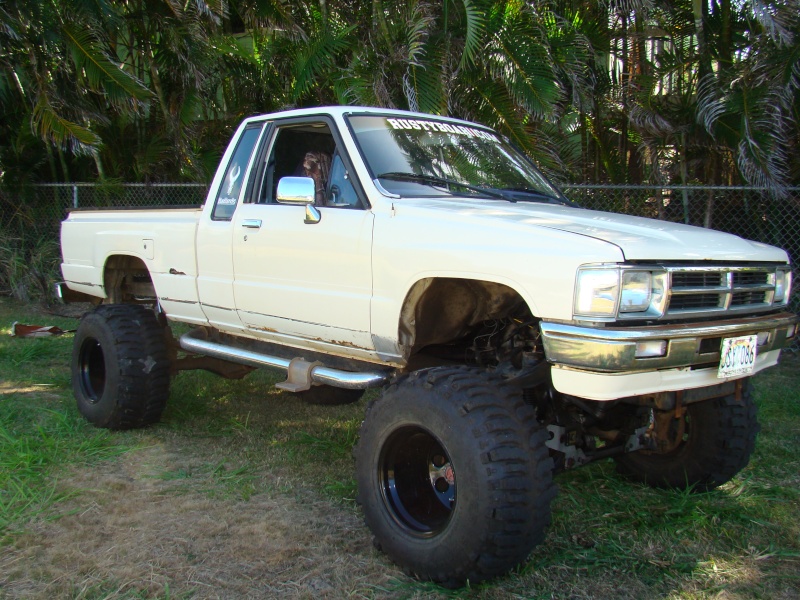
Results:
x,y
442,181
540,196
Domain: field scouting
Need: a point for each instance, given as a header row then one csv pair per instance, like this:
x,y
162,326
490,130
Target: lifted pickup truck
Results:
x,y
514,333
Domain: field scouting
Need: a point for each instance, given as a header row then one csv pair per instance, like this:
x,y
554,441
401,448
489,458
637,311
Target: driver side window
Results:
x,y
307,150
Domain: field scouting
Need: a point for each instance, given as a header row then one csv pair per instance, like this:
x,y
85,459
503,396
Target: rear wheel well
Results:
x,y
127,281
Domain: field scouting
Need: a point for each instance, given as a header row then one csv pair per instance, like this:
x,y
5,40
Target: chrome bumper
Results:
x,y
613,349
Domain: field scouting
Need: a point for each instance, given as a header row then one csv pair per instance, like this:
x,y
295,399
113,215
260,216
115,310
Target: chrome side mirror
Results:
x,y
296,190
300,191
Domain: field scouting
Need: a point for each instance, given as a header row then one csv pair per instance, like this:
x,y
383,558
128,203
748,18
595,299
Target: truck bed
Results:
x,y
162,238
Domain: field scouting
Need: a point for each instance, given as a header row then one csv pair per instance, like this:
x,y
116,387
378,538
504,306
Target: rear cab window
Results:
x,y
231,186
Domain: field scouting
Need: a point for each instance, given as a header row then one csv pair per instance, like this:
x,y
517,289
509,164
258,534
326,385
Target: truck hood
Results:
x,y
638,238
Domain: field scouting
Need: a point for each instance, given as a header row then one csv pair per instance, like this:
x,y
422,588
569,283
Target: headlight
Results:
x,y
596,292
783,286
636,291
619,291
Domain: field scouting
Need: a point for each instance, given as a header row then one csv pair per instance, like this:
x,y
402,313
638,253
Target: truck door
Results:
x,y
214,233
302,282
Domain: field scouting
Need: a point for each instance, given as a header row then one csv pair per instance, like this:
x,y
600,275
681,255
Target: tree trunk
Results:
x,y
101,173
725,39
64,168
684,178
704,57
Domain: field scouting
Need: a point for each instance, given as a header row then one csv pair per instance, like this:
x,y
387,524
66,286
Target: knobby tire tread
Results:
x,y
725,437
142,366
519,478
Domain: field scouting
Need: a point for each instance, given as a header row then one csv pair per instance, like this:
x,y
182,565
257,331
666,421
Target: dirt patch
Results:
x,y
132,531
73,310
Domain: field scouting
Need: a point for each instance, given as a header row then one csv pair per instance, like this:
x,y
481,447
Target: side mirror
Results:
x,y
296,190
300,191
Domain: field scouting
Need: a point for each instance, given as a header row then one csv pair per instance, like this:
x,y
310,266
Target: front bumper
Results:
x,y
601,362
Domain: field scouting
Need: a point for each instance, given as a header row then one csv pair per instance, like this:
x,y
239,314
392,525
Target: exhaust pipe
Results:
x,y
301,373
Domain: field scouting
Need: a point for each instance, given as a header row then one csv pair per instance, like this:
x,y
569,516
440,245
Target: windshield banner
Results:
x,y
443,127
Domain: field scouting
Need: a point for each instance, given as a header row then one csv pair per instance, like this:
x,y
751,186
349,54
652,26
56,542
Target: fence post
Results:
x,y
74,196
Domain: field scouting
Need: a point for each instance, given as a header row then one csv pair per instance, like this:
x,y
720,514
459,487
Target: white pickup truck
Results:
x,y
514,333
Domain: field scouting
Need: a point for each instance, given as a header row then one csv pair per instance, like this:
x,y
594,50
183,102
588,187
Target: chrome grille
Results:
x,y
750,277
697,290
697,279
694,301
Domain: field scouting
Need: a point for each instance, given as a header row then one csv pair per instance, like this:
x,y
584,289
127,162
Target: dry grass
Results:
x,y
131,530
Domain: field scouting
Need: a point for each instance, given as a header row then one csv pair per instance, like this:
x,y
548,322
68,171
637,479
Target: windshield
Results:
x,y
428,157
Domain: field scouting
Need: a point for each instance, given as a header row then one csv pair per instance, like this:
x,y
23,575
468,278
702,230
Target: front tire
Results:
x,y
120,368
719,437
453,475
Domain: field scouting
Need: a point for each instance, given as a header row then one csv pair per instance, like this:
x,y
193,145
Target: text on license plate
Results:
x,y
738,356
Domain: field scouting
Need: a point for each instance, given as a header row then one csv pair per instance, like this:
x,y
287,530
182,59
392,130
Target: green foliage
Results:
x,y
628,92
28,267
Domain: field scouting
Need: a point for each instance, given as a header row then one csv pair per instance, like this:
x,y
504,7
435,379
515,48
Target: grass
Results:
x,y
39,433
256,492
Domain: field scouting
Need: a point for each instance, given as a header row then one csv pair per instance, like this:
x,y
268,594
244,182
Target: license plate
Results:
x,y
738,356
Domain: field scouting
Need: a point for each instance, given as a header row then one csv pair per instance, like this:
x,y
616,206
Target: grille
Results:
x,y
695,290
693,279
750,278
695,302
747,298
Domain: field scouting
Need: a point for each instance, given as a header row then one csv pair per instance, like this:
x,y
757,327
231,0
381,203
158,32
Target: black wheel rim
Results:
x,y
418,481
92,370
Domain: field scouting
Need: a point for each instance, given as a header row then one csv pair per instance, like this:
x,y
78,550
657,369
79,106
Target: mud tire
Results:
x,y
120,367
720,437
501,475
327,395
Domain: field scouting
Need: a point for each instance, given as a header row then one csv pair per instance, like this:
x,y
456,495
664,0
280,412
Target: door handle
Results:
x,y
252,223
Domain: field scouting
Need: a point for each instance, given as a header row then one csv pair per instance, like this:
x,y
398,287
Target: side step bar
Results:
x,y
301,373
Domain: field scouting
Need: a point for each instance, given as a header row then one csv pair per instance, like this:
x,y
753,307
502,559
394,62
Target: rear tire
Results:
x,y
120,367
453,475
720,437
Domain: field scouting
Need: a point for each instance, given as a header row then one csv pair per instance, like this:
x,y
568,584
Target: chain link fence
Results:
x,y
32,214
36,211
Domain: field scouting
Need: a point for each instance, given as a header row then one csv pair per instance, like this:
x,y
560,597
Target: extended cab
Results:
x,y
514,333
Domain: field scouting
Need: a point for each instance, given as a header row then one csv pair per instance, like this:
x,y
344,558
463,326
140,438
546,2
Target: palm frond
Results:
x,y
475,12
649,122
711,103
417,27
100,71
317,58
517,56
424,89
775,19
49,125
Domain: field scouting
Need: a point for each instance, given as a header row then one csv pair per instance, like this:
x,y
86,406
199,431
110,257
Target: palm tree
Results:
x,y
59,79
618,91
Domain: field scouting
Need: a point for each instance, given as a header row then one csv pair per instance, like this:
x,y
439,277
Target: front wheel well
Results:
x,y
449,314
